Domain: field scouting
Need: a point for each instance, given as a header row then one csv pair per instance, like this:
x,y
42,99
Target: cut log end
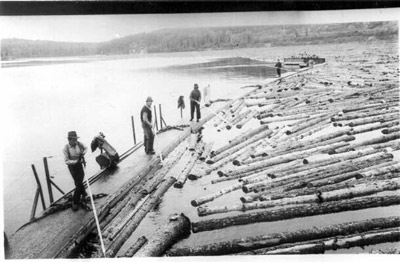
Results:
x,y
192,177
194,203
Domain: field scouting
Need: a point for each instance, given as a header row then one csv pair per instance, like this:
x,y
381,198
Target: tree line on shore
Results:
x,y
197,39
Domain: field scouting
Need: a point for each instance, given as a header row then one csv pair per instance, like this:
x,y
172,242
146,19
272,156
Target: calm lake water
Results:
x,y
44,102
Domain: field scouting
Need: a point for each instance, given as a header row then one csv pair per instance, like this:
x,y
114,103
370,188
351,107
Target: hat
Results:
x,y
72,134
196,86
149,99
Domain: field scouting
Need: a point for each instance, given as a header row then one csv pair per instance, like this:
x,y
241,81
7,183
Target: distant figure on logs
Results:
x,y
148,131
74,156
195,97
278,66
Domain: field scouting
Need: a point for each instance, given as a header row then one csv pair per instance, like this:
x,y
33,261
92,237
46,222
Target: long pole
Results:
x,y
96,217
133,130
46,170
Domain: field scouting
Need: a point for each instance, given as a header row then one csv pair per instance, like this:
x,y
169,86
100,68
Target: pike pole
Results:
x,y
95,214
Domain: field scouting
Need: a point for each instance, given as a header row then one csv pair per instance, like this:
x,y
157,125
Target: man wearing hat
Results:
x,y
74,153
146,118
195,97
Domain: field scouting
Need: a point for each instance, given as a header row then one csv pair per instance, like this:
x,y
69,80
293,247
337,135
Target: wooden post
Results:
x,y
155,117
133,130
48,180
35,201
39,186
159,107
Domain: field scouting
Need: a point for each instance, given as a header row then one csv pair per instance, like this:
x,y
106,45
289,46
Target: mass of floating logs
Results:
x,y
278,239
295,212
177,228
320,197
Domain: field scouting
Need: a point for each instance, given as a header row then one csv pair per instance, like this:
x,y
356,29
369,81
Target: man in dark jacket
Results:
x,y
278,66
195,97
146,118
74,153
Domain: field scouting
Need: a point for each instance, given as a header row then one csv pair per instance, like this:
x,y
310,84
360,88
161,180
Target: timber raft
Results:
x,y
317,142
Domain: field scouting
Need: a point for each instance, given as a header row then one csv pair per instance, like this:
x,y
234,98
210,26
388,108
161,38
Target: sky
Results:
x,y
98,28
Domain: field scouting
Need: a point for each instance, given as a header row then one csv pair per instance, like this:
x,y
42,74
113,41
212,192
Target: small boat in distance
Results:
x,y
303,60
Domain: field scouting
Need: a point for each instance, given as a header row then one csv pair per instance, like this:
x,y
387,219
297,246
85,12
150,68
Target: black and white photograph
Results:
x,y
205,133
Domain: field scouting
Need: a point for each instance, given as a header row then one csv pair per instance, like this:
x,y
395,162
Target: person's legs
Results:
x,y
151,144
77,174
192,107
198,114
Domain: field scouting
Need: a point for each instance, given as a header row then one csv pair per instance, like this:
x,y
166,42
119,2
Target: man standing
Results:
x,y
74,153
195,97
278,66
146,118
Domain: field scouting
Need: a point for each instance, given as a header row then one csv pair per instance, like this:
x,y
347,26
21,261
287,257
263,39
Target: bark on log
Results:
x,y
390,130
298,211
135,247
177,228
265,119
338,242
263,241
381,170
363,115
309,123
181,179
364,129
211,197
381,139
374,119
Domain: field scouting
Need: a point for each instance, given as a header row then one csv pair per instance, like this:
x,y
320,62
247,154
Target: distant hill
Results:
x,y
197,39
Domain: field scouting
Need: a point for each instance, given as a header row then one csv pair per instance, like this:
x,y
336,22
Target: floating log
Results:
x,y
391,130
181,179
263,241
245,120
309,123
120,239
193,141
135,247
243,144
177,228
240,139
381,139
211,197
338,242
375,171
372,127
238,118
266,120
318,159
374,119
293,212
357,116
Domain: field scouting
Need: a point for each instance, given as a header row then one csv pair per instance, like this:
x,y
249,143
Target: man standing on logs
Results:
x,y
278,66
74,153
146,119
195,97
